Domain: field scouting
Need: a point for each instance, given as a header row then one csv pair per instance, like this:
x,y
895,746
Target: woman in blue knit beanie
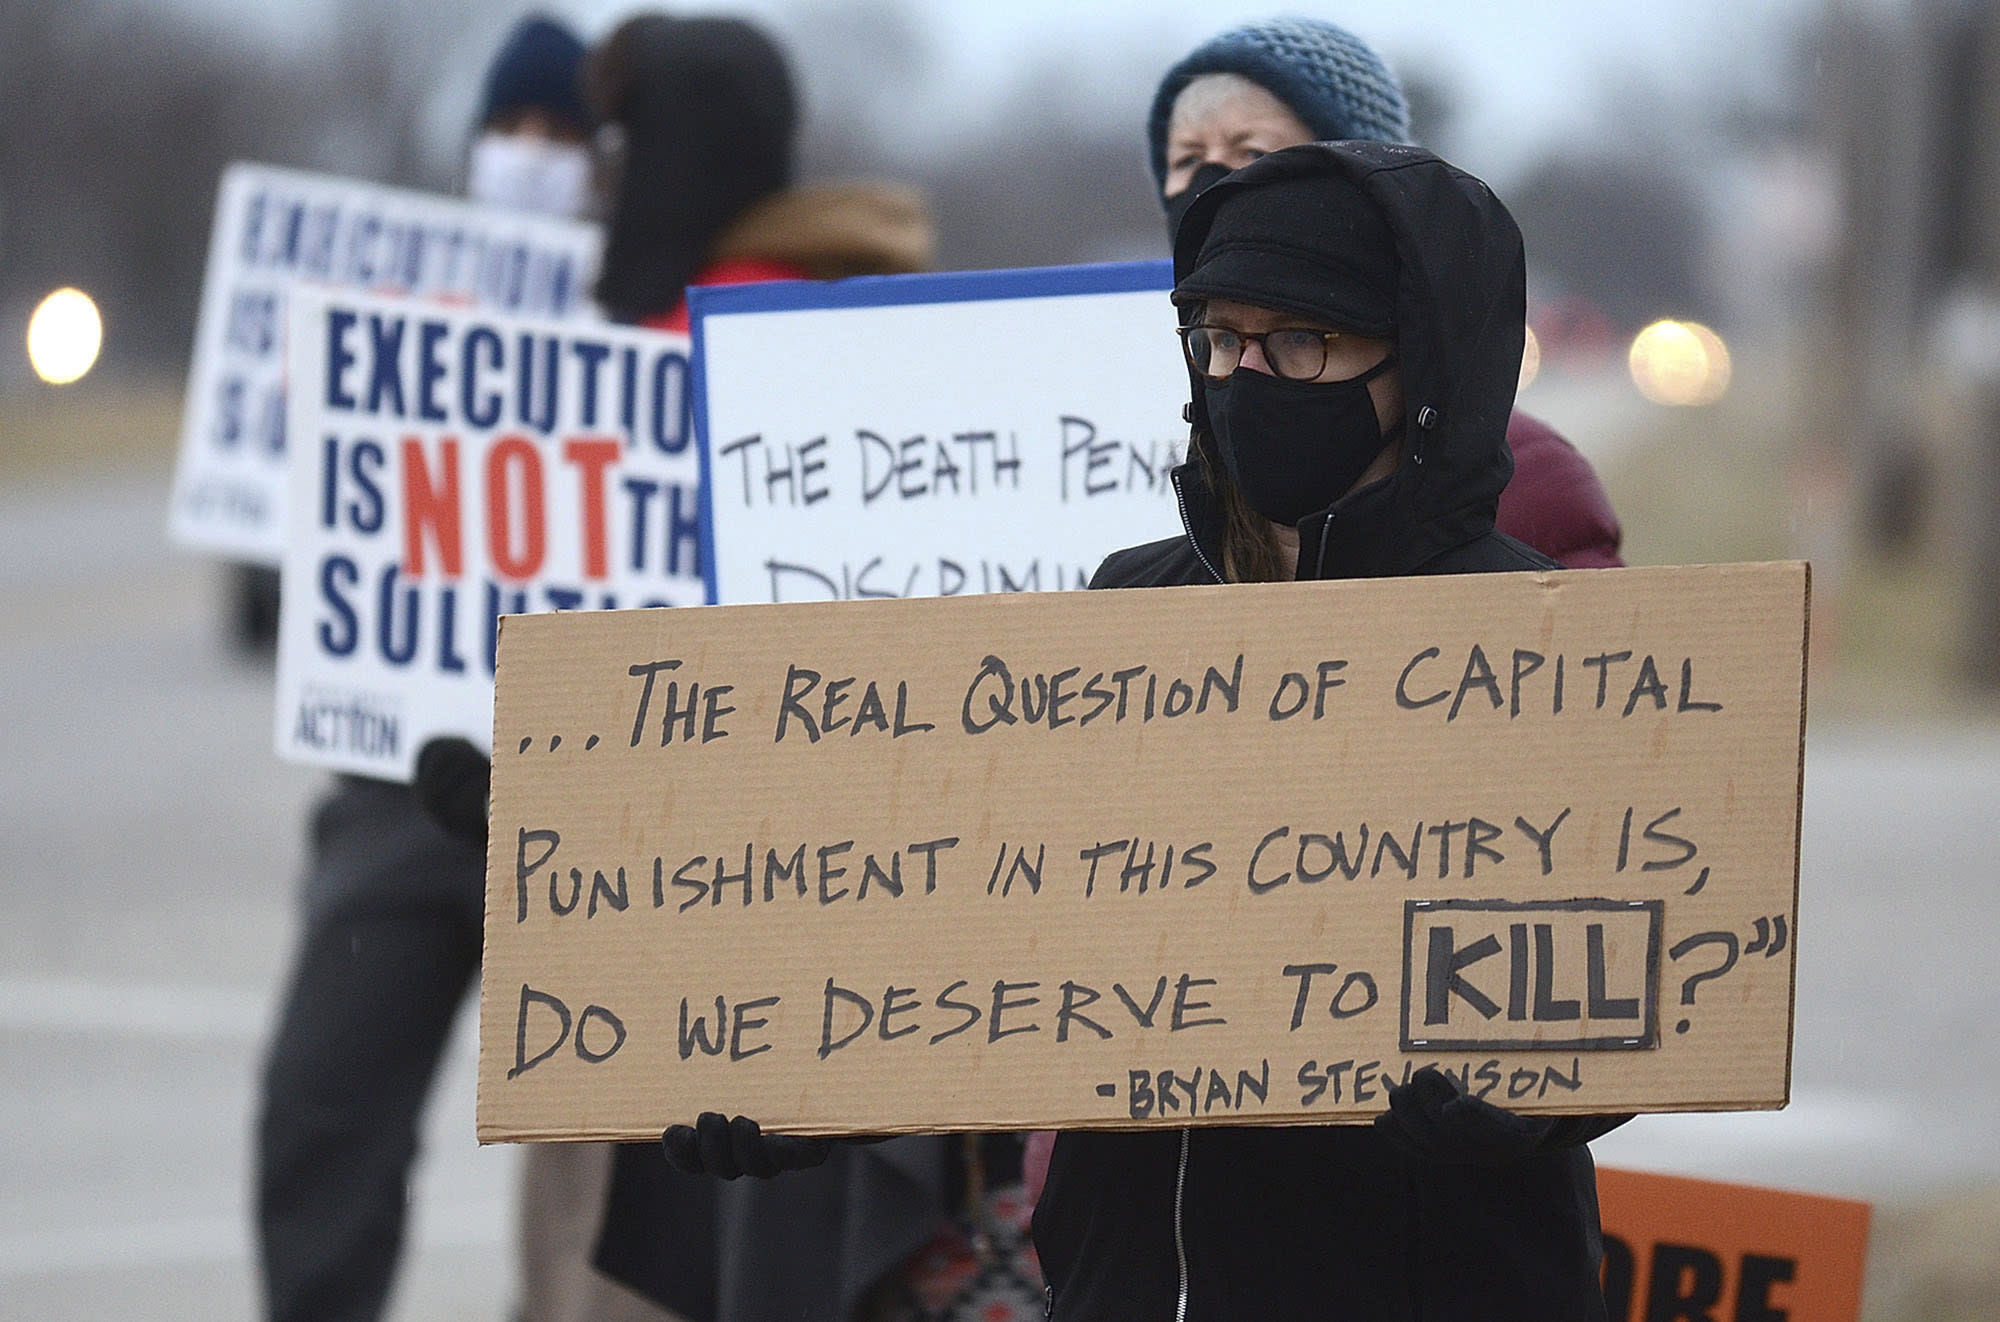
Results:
x,y
1295,76
1284,81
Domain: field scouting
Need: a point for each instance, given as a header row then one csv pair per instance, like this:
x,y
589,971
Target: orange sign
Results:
x,y
1681,1250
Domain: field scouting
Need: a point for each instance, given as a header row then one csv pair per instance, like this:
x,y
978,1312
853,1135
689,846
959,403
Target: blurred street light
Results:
x,y
1679,363
64,335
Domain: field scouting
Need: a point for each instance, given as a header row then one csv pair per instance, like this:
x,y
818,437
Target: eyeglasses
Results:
x,y
1294,353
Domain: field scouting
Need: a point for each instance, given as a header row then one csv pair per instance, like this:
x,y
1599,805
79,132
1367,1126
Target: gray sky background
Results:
x,y
1530,73
1529,76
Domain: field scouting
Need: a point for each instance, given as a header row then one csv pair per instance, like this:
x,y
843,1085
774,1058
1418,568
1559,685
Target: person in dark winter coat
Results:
x,y
1281,82
1353,315
390,936
704,194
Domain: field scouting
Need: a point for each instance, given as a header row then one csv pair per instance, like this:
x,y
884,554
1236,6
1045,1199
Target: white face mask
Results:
x,y
529,174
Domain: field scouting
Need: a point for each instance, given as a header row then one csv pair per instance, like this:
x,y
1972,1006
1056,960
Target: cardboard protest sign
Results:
x,y
1242,854
1678,1249
980,431
451,468
273,227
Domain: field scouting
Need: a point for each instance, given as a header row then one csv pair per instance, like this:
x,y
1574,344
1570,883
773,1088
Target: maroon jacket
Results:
x,y
1555,502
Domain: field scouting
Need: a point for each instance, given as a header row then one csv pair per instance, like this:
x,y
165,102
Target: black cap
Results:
x,y
1315,246
537,68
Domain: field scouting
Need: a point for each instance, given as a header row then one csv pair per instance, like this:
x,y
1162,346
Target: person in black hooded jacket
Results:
x,y
1353,316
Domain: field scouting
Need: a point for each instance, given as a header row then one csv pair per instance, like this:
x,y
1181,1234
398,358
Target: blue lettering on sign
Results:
x,y
551,363
591,354
253,224
673,409
362,262
339,358
338,636
397,653
413,624
430,370
385,334
229,412
359,723
492,379
365,513
482,410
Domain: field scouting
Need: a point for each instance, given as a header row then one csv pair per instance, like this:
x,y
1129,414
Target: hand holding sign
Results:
x,y
454,784
728,1147
1433,1118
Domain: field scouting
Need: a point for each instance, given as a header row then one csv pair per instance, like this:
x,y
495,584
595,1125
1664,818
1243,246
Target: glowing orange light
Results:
x,y
64,335
1679,363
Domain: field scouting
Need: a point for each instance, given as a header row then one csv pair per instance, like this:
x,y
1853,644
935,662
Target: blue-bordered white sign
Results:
x,y
934,434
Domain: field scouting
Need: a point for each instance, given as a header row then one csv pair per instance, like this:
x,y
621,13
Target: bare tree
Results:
x,y
120,117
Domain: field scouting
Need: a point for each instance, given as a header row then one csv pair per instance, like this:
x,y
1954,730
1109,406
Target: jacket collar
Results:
x,y
1370,533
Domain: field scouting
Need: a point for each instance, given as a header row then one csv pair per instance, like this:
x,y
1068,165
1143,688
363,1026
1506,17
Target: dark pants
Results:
x,y
379,976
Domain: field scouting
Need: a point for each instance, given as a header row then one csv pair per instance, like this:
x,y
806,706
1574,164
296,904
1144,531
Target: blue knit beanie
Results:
x,y
1328,77
537,67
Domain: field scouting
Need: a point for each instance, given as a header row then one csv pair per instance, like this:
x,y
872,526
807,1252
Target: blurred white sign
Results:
x,y
274,228
452,467
927,435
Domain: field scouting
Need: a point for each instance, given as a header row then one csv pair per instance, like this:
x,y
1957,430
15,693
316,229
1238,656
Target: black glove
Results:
x,y
1433,1119
453,781
726,1148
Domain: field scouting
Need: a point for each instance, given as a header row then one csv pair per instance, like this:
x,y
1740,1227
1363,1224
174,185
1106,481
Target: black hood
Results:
x,y
709,115
1461,315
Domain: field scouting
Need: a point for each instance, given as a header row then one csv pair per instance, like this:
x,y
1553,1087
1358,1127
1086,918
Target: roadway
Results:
x,y
155,843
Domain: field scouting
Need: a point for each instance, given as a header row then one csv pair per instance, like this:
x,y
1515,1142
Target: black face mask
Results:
x,y
1294,447
1177,205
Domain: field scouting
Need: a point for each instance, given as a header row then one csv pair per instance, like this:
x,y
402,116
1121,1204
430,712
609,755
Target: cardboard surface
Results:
x,y
1676,1248
1232,855
275,228
934,434
452,467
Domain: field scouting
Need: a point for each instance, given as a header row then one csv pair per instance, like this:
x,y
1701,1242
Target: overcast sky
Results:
x,y
1530,71
1528,74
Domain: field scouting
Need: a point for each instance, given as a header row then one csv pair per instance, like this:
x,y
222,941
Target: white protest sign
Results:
x,y
273,227
451,467
930,435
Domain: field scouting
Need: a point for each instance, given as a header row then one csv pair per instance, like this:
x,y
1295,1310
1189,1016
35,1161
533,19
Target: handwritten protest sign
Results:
x,y
274,227
452,467
927,435
1677,1248
1241,854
